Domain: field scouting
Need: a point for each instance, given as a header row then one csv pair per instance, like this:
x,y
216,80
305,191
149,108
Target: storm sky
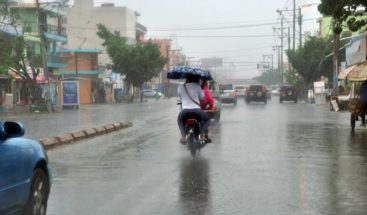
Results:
x,y
196,25
239,31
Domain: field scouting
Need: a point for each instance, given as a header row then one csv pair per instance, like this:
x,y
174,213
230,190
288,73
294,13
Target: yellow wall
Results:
x,y
85,90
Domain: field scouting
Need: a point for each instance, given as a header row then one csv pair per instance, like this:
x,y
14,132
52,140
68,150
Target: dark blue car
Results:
x,y
24,173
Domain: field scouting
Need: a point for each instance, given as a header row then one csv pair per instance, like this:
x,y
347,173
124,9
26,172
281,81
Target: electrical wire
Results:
x,y
232,50
217,36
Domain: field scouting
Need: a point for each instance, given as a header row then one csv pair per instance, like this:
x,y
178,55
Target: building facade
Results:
x,y
82,66
83,18
52,17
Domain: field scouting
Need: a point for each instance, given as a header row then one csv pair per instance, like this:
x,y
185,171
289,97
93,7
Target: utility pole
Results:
x,y
281,46
300,26
41,32
272,60
277,48
289,38
336,38
294,24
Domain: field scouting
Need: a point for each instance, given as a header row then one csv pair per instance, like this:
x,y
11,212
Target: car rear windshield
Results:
x,y
287,88
256,88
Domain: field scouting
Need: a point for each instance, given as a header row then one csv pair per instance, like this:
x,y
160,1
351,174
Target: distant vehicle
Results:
x,y
229,95
240,90
151,94
268,94
25,176
275,92
288,93
257,93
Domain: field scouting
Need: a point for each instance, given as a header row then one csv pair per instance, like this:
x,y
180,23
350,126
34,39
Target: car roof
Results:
x,y
256,85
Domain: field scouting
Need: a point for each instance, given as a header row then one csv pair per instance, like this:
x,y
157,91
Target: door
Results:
x,y
14,160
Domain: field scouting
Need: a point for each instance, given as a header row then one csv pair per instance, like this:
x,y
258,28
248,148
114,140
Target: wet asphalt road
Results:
x,y
265,159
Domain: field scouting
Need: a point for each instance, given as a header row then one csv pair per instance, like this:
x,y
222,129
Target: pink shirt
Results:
x,y
208,99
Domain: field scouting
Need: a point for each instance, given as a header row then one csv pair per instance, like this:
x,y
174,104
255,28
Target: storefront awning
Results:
x,y
343,74
357,72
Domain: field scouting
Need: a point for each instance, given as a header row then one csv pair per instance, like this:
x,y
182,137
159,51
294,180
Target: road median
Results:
x,y
73,137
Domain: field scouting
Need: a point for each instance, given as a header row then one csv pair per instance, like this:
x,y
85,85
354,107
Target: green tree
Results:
x,y
349,11
139,62
269,77
310,61
7,21
16,54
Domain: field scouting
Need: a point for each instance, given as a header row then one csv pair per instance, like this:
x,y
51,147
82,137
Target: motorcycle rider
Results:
x,y
191,95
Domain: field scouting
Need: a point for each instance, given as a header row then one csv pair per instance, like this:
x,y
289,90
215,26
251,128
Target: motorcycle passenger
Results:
x,y
208,102
191,95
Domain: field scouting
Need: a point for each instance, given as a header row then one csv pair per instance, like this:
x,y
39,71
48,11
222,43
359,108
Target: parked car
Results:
x,y
288,93
229,95
25,176
152,94
257,93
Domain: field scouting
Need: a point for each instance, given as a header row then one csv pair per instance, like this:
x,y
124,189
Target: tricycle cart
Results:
x,y
355,74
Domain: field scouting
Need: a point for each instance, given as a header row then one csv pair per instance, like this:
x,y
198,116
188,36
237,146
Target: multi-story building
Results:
x,y
82,65
83,18
52,18
55,33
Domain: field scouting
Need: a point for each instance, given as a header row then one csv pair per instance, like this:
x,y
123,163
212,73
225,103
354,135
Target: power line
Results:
x,y
215,27
217,36
223,27
231,50
212,24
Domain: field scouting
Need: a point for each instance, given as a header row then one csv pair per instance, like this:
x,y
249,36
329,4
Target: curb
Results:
x,y
69,138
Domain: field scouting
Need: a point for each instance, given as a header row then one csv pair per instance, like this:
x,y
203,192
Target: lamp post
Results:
x,y
300,19
281,43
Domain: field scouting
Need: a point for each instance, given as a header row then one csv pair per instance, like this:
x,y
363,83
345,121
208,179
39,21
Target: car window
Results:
x,y
256,88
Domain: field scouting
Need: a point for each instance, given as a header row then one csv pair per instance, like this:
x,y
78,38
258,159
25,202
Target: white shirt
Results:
x,y
195,92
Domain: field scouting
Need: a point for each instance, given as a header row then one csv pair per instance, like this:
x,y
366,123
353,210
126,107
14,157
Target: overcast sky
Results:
x,y
252,20
165,18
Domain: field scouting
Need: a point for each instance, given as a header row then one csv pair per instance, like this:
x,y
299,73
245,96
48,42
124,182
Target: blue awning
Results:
x,y
56,65
10,30
80,73
54,37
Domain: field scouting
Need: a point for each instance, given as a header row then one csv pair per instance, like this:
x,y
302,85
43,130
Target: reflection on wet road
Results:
x,y
265,159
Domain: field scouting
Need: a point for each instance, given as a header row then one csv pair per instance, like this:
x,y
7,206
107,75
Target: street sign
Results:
x,y
70,93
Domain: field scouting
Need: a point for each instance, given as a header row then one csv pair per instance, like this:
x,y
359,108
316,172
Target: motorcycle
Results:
x,y
192,132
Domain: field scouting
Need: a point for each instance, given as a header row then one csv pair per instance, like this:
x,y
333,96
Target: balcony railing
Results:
x,y
31,28
53,29
56,61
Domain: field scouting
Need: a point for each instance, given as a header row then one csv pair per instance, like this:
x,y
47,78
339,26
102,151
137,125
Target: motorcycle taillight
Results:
x,y
191,122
